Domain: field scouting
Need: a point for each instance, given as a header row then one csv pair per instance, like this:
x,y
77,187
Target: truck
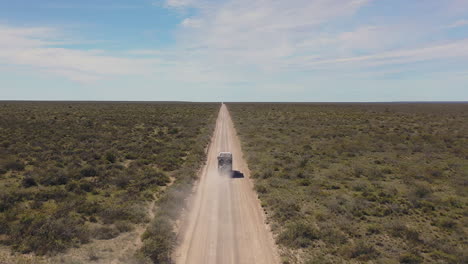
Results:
x,y
225,163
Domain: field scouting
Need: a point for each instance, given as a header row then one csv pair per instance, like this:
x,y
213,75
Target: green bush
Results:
x,y
105,232
54,178
286,210
400,230
446,223
124,226
122,180
157,177
14,166
44,234
260,188
89,172
84,173
86,186
422,190
28,182
298,235
362,251
111,157
159,241
410,258
369,174
8,199
4,226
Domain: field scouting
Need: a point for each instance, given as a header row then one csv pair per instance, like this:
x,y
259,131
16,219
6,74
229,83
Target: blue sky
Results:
x,y
226,50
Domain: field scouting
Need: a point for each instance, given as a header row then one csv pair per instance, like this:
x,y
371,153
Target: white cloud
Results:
x,y
457,49
146,52
35,47
258,33
25,37
179,3
191,23
238,40
459,23
274,36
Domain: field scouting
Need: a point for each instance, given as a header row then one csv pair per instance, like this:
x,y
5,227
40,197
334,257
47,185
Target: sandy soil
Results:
x,y
225,223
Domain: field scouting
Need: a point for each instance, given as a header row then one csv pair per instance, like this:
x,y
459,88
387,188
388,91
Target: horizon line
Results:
x,y
176,101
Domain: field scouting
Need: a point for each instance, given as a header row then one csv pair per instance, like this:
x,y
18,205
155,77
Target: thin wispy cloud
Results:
x,y
179,3
459,23
191,23
457,50
226,42
35,47
258,32
276,35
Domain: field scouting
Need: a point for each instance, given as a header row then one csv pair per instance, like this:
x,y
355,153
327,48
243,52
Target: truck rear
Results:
x,y
225,163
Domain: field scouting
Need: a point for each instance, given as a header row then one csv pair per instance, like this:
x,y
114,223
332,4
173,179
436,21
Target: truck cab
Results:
x,y
225,162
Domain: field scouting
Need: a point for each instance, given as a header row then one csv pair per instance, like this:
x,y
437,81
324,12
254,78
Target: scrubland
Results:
x,y
357,183
71,173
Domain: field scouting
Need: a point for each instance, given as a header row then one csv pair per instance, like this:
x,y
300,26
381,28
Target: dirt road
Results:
x,y
225,223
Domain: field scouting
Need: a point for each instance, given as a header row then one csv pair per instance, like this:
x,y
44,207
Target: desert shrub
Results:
x,y
260,188
85,207
399,229
44,234
298,234
266,174
448,258
157,177
361,250
89,172
131,156
360,186
105,232
332,235
122,180
158,241
374,229
4,226
410,258
86,186
342,205
422,190
8,199
446,223
51,193
286,210
14,165
304,182
73,186
318,260
374,173
168,161
124,226
371,164
111,157
28,182
54,178
114,212
62,157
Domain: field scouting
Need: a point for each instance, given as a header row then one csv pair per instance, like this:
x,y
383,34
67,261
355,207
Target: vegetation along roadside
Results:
x,y
73,172
344,183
